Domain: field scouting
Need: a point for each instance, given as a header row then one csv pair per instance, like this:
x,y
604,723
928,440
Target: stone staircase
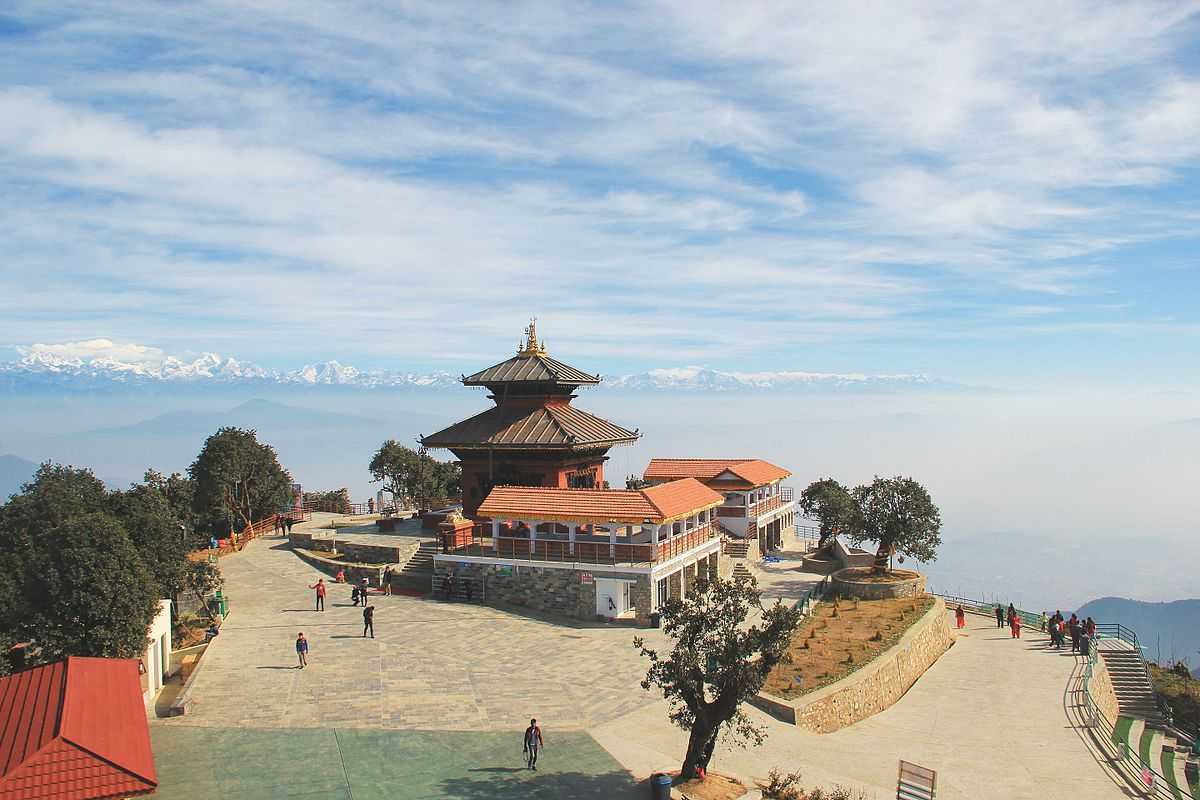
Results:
x,y
416,576
1135,694
739,551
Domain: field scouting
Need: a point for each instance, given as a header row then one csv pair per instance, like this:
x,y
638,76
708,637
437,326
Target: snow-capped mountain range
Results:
x,y
100,362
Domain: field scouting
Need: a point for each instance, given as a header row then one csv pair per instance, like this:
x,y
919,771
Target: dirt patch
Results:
x,y
867,575
714,787
840,637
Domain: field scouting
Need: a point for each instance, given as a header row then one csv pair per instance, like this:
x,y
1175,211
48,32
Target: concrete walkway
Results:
x,y
990,716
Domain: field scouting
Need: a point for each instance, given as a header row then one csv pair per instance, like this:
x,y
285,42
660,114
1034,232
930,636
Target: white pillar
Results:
x,y
682,584
571,537
496,535
612,541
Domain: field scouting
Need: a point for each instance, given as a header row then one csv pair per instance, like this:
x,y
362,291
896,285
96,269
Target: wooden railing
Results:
x,y
767,504
685,541
586,551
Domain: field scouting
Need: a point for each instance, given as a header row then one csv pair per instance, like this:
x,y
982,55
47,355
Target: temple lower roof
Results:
x,y
555,426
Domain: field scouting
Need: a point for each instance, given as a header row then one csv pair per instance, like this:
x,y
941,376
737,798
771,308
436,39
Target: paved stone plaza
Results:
x,y
432,665
433,706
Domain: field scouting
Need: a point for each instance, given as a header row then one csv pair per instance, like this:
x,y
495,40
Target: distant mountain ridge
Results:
x,y
1166,630
47,368
14,472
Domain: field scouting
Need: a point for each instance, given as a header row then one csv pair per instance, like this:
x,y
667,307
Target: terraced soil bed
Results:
x,y
840,637
868,575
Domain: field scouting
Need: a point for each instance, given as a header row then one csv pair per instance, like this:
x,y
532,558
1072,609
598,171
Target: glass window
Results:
x,y
664,592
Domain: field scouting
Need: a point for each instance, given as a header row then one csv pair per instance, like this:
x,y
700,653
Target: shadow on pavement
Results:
x,y
565,785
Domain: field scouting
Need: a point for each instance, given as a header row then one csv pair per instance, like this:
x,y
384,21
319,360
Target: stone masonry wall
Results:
x,y
876,686
1100,687
555,591
877,591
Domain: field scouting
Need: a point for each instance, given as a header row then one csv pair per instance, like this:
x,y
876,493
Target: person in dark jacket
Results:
x,y
369,621
999,616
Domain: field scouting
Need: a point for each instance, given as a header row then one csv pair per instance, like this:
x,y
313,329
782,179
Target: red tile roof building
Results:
x,y
656,504
75,730
756,505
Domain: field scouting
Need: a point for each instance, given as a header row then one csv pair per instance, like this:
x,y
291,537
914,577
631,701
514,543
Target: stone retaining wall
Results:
x,y
556,591
1100,687
873,688
870,590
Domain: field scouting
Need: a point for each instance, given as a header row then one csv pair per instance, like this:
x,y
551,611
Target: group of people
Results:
x,y
358,595
1081,631
1010,617
283,524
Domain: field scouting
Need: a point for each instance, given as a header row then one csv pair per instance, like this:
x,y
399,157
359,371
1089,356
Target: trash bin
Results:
x,y
660,786
655,619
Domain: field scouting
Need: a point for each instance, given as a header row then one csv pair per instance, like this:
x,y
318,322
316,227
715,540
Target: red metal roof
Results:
x,y
751,471
531,368
658,504
75,730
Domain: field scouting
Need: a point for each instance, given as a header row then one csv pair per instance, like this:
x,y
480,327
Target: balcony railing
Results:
x,y
589,550
767,504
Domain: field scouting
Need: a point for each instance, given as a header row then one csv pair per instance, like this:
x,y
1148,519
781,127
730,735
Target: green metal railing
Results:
x,y
1150,779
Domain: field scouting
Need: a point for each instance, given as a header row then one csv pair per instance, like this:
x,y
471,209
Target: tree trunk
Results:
x,y
703,732
883,558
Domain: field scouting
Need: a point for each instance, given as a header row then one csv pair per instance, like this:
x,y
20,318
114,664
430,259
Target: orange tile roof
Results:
x,y
658,504
753,471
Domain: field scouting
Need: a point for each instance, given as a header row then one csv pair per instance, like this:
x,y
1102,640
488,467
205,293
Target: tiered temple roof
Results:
x,y
533,408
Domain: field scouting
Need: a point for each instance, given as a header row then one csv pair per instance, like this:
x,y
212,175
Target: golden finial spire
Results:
x,y
531,346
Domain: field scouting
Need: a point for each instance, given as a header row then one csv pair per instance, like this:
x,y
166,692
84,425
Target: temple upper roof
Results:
x,y
531,367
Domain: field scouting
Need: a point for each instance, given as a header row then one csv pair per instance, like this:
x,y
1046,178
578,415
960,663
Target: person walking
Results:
x,y
1089,627
533,742
320,587
363,586
960,617
288,524
369,621
448,587
999,616
1074,629
302,650
1015,625
1042,621
354,595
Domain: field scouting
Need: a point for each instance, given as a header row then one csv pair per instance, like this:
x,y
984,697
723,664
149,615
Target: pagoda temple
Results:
x,y
532,436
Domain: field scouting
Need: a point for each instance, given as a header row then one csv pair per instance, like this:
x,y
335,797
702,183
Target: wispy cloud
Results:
x,y
674,181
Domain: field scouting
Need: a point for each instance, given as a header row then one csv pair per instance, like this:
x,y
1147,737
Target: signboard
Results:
x,y
585,577
915,782
504,570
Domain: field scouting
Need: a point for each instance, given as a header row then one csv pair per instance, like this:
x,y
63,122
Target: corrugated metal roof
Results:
x,y
75,730
544,426
531,368
658,504
752,471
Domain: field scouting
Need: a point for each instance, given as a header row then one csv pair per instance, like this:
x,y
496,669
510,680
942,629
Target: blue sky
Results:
x,y
1002,194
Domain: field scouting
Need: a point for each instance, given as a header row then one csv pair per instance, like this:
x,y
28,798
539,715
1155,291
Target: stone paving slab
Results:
x,y
432,665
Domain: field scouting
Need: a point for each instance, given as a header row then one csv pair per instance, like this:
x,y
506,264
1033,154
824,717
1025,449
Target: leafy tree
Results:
x,y
92,595
832,505
237,478
336,500
180,493
718,662
203,579
13,603
55,494
899,516
158,533
408,474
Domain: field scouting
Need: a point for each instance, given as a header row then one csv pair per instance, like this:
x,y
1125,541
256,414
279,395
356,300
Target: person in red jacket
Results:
x,y
320,587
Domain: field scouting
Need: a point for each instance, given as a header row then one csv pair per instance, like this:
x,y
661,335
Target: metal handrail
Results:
x,y
1110,630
